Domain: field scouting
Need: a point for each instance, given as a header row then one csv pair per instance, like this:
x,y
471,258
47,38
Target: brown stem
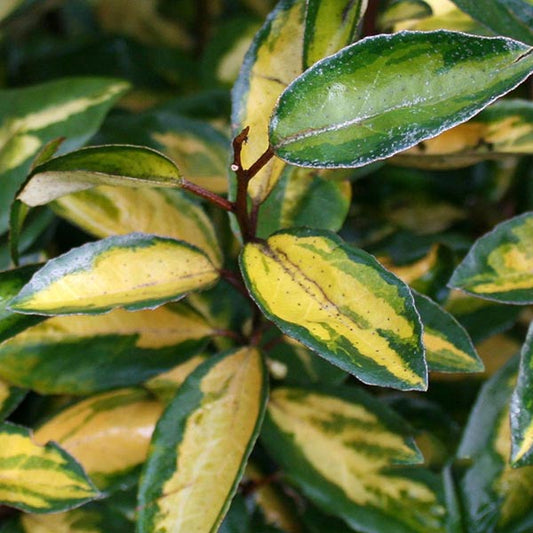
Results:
x,y
207,195
267,155
235,280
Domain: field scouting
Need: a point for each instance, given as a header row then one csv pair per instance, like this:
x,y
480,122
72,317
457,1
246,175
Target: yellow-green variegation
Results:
x,y
201,443
344,449
85,354
522,407
499,265
134,271
39,479
340,302
386,93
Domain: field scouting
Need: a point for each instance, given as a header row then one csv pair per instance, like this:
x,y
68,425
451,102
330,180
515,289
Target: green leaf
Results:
x,y
86,354
201,444
522,407
132,166
329,26
39,479
344,449
340,302
116,425
135,271
448,346
105,211
303,198
502,130
386,93
401,10
499,264
494,495
10,397
32,116
513,18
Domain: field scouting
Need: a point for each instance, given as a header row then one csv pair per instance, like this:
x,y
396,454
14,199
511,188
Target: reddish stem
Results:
x,y
207,195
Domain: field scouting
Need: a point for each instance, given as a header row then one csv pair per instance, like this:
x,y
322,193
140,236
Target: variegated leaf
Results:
x,y
135,271
201,444
32,116
402,10
503,129
522,407
499,264
272,62
343,448
86,354
122,165
10,397
39,479
340,302
106,211
448,346
329,26
496,496
108,434
386,93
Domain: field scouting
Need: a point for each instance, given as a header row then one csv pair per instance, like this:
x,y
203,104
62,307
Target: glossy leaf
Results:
x,y
273,60
105,211
32,116
329,26
135,271
108,434
386,93
495,495
340,302
205,434
503,129
343,448
513,18
522,407
122,165
39,479
499,264
448,346
86,354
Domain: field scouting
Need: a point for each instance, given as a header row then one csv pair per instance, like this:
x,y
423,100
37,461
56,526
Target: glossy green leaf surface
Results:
x,y
135,271
386,93
513,18
329,26
522,407
39,479
86,354
32,116
201,444
340,302
499,264
344,449
495,496
448,346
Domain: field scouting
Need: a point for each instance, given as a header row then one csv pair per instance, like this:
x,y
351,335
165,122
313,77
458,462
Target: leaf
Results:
x,y
273,60
494,495
115,425
207,430
448,346
10,397
39,479
135,271
499,264
340,302
303,198
343,448
32,116
513,18
402,10
522,407
501,130
329,26
105,211
86,354
386,93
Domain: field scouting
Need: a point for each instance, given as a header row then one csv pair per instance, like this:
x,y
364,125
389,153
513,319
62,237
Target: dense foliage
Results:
x,y
266,268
